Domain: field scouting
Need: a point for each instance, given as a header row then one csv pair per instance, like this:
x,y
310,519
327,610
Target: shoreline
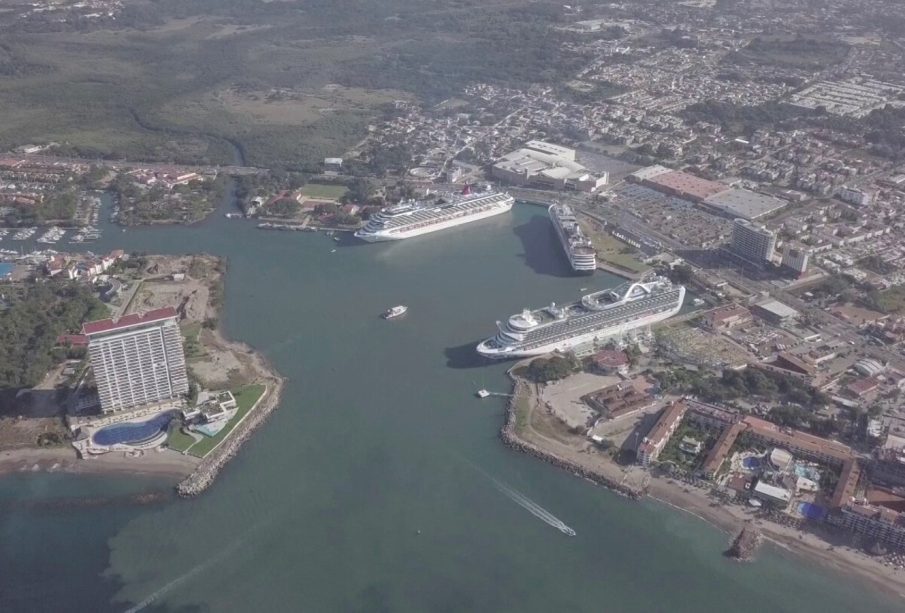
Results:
x,y
191,475
205,472
65,460
812,545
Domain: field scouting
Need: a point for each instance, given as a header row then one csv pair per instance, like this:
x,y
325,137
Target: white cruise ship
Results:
x,y
414,218
578,247
594,318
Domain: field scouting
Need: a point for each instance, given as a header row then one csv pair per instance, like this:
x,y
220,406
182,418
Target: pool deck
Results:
x,y
87,446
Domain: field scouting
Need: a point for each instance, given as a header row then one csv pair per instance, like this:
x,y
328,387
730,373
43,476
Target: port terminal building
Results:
x,y
547,165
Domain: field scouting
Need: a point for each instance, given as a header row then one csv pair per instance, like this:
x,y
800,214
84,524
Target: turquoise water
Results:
x,y
133,432
372,487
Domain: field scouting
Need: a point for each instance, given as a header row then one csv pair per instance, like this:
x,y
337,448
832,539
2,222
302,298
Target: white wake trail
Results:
x,y
523,501
535,509
192,572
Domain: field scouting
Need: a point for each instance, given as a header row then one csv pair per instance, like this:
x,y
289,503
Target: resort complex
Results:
x,y
137,359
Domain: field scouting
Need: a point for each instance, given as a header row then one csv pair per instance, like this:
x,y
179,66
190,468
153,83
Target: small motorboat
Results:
x,y
396,311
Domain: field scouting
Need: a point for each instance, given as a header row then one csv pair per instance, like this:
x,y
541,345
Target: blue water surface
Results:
x,y
133,432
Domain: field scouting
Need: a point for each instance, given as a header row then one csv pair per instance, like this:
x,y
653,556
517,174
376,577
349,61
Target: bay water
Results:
x,y
376,484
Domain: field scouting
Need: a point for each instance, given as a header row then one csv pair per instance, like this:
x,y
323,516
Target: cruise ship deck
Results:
x,y
600,314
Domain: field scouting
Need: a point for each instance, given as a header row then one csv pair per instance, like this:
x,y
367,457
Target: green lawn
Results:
x,y
177,440
246,397
610,249
320,191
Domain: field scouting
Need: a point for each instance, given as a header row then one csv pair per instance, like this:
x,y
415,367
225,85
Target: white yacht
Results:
x,y
396,311
594,318
414,218
578,247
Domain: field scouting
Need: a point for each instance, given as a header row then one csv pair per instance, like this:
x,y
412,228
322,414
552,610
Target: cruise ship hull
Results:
x,y
581,265
568,344
383,235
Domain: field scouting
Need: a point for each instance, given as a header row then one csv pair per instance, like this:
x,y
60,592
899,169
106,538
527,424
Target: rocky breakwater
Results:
x,y
745,544
510,436
204,475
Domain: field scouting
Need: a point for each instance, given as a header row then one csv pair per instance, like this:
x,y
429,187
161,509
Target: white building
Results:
x,y
546,165
855,196
795,258
752,241
137,359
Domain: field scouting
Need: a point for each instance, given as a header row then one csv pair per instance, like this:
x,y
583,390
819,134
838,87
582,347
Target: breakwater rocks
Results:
x,y
745,544
513,441
203,476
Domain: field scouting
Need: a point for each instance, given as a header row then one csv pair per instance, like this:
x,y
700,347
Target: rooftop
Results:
x,y
777,308
687,185
745,204
128,321
661,430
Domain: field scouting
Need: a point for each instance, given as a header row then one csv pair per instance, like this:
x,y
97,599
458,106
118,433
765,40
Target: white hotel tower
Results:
x,y
137,359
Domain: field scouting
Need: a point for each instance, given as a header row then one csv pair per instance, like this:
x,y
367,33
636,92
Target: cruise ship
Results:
x,y
578,247
594,318
414,218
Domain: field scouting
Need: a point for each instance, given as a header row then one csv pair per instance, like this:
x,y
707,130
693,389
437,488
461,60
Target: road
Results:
x,y
117,164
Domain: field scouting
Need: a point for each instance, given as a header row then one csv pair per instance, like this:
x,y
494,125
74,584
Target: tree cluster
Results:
x,y
31,323
544,370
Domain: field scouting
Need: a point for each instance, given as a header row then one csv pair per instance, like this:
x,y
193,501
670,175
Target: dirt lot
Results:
x,y
18,433
563,398
215,363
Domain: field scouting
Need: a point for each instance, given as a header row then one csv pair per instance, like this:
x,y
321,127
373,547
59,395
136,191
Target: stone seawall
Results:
x,y
511,439
204,475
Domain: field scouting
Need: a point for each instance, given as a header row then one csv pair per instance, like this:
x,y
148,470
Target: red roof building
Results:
x,y
686,185
128,321
650,448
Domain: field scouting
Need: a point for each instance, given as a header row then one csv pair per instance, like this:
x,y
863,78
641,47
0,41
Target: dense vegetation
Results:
x,y
184,203
30,324
747,383
800,52
544,370
149,87
57,206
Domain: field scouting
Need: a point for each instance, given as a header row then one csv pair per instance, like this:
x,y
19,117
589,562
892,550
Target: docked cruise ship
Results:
x,y
578,247
414,218
594,318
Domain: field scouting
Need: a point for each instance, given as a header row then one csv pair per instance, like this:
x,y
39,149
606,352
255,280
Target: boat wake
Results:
x,y
200,568
523,501
535,509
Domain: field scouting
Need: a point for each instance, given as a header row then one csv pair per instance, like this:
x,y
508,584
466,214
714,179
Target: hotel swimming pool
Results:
x,y
751,463
133,432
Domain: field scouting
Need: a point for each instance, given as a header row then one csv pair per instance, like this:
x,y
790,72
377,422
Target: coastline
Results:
x,y
191,475
206,471
163,463
828,549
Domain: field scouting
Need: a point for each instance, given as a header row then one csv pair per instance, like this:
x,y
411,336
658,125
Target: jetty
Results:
x,y
745,544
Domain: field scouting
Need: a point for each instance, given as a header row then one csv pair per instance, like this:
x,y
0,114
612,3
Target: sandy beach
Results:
x,y
814,544
64,459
